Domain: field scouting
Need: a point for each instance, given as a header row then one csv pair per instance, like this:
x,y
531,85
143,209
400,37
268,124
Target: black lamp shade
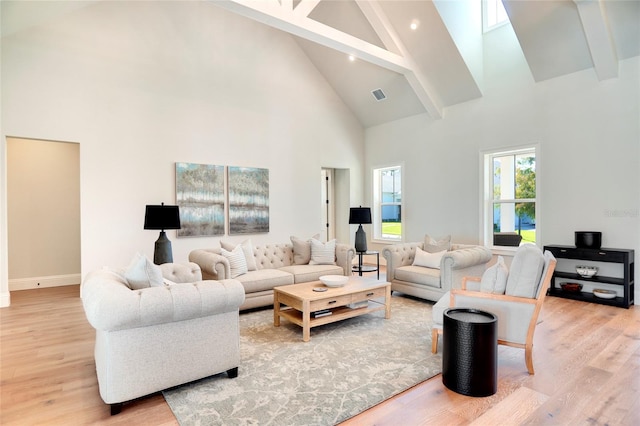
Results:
x,y
162,217
359,215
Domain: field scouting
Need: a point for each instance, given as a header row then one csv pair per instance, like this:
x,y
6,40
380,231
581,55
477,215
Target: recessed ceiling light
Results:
x,y
414,24
352,58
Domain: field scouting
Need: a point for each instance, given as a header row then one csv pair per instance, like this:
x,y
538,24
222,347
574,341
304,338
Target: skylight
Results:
x,y
493,14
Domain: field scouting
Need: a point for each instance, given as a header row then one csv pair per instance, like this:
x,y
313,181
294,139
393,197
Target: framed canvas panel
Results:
x,y
200,195
248,190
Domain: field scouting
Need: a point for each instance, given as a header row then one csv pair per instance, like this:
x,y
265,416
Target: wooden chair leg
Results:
x,y
528,358
434,340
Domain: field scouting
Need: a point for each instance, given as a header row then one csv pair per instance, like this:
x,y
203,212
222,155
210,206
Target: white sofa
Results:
x,y
154,338
275,266
431,283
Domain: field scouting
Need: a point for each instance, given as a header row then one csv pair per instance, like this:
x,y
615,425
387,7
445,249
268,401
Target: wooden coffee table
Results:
x,y
300,301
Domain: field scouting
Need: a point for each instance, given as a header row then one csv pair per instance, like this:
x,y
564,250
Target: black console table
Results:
x,y
615,273
361,267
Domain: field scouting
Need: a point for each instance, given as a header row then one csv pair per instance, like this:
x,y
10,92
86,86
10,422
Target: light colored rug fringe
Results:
x,y
346,368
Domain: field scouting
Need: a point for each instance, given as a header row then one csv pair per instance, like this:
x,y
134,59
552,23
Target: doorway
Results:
x,y
334,203
43,213
327,204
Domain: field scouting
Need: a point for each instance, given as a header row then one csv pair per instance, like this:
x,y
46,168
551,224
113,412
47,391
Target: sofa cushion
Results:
x,y
428,260
419,275
494,279
526,271
307,273
142,273
433,246
247,249
302,249
237,261
323,253
264,279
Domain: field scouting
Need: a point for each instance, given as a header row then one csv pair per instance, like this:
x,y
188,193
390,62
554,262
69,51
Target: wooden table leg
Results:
x,y
276,309
306,321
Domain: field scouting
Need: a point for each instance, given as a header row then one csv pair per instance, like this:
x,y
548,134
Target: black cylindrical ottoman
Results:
x,y
469,351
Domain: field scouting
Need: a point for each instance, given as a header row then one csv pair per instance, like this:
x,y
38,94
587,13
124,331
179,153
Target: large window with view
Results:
x,y
387,211
510,197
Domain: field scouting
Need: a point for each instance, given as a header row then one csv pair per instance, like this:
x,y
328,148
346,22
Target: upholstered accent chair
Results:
x,y
517,309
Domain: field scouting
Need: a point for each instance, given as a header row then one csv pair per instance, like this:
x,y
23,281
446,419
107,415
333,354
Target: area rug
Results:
x,y
346,368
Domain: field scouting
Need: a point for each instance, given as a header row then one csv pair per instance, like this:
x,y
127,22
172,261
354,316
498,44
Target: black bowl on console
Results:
x,y
592,240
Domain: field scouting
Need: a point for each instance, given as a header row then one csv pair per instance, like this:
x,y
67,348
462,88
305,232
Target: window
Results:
x,y
493,14
387,210
510,197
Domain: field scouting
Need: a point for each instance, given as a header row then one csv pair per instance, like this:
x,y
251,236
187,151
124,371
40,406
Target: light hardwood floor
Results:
x,y
587,360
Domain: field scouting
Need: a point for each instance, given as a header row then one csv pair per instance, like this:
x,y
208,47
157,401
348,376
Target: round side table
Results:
x,y
469,351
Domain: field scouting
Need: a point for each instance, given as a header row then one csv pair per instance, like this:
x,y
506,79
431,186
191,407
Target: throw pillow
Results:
x,y
428,260
323,253
434,246
494,279
526,271
247,249
237,262
302,249
142,273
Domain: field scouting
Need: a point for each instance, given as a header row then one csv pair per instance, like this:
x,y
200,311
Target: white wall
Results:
x,y
589,160
142,85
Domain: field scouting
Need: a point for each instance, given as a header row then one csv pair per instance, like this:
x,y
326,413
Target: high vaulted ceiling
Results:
x,y
438,64
429,68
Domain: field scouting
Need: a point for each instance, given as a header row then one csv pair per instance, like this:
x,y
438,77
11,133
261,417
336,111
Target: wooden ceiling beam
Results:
x,y
297,23
305,7
598,34
391,40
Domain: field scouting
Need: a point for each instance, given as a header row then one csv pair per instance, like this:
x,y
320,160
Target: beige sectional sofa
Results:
x,y
431,283
154,336
275,265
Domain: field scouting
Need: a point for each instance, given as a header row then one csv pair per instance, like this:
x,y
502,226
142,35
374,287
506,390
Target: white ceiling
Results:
x,y
424,70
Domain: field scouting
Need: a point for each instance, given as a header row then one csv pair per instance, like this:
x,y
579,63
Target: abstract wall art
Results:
x,y
248,191
200,195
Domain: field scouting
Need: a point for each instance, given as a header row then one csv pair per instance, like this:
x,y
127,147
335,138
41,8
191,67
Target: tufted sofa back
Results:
x,y
110,304
271,256
268,256
187,272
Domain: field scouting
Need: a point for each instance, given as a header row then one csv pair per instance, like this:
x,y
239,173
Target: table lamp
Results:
x,y
162,217
360,215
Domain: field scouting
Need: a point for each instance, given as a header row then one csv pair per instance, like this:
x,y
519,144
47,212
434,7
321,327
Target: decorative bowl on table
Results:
x,y
571,287
334,280
604,294
586,271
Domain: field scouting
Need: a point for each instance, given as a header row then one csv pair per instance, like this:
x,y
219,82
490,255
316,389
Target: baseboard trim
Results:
x,y
5,299
41,282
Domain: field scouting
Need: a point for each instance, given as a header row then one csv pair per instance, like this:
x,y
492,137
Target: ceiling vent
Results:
x,y
379,95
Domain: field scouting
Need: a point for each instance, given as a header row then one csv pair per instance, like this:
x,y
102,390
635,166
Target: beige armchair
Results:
x,y
517,310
